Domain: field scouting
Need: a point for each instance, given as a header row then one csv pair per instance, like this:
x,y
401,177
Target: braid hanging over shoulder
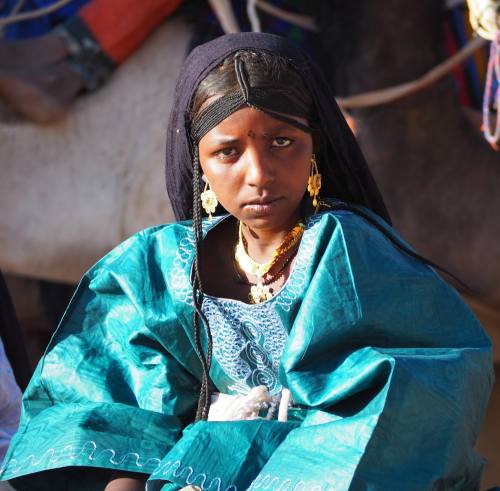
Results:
x,y
345,173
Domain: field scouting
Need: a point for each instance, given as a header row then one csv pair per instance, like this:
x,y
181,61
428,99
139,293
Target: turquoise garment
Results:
x,y
389,372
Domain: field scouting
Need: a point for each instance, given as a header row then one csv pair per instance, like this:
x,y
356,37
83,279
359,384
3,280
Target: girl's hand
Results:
x,y
233,408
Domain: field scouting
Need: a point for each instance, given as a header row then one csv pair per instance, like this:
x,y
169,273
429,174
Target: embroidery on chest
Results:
x,y
248,342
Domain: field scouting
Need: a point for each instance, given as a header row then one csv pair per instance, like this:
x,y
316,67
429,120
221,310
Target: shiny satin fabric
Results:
x,y
388,370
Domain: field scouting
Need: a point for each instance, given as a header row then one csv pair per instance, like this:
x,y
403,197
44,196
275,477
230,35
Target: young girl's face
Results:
x,y
258,167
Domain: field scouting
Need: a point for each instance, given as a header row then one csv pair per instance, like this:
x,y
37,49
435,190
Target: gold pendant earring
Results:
x,y
208,201
314,181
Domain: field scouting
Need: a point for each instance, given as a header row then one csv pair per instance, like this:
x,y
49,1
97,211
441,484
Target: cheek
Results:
x,y
209,169
297,164
217,174
224,181
301,153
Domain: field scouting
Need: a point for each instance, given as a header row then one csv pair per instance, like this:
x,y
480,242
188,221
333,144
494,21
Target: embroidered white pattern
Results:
x,y
181,267
297,280
270,483
248,342
248,339
89,449
179,275
176,469
266,482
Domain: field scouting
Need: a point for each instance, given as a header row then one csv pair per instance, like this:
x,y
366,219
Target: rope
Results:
x,y
303,21
493,73
224,11
391,94
485,20
11,19
376,97
17,8
252,16
225,15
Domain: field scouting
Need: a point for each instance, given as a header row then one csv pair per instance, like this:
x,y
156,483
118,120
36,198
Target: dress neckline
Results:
x,y
208,227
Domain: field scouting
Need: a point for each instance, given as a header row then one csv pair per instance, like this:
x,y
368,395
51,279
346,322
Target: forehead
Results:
x,y
249,119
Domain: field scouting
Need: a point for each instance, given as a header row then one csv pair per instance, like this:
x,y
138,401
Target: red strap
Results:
x,y
120,26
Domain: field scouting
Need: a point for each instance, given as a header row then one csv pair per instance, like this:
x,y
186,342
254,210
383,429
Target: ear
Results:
x,y
204,178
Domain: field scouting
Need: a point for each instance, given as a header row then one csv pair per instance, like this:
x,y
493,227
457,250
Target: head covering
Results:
x,y
274,97
345,173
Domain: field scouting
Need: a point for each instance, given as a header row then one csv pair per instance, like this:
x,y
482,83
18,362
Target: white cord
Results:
x,y
492,76
225,15
303,21
390,94
253,17
34,14
17,8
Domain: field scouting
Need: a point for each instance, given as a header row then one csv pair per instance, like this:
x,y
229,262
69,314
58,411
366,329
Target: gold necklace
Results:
x,y
261,292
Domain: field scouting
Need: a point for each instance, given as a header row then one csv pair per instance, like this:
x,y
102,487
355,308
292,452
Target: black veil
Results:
x,y
346,175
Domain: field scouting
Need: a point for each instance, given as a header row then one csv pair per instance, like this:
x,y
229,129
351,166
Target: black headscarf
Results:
x,y
345,173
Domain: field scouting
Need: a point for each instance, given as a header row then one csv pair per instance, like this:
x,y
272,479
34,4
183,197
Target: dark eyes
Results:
x,y
281,142
226,152
230,152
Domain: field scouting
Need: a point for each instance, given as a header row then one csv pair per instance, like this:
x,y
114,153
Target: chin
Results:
x,y
276,215
260,223
270,222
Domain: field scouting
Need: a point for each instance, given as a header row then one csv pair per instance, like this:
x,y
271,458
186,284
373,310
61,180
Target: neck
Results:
x,y
263,242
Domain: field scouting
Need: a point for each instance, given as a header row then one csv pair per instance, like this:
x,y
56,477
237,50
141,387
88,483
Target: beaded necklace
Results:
x,y
260,291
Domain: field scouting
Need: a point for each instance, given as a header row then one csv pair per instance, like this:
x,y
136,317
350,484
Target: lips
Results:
x,y
262,201
262,206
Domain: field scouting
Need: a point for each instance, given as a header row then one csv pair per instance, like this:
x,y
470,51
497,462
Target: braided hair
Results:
x,y
216,97
206,361
264,68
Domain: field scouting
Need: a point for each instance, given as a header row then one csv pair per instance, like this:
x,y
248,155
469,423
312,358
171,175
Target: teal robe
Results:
x,y
389,373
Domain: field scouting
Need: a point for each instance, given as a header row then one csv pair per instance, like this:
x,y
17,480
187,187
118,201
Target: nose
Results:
x,y
259,168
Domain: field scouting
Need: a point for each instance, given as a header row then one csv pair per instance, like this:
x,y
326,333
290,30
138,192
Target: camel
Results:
x,y
439,177
73,190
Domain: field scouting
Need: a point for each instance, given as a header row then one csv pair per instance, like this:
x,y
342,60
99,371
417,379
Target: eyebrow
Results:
x,y
232,141
226,141
281,127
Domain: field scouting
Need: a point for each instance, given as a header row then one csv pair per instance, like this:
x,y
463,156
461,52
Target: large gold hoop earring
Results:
x,y
314,181
209,201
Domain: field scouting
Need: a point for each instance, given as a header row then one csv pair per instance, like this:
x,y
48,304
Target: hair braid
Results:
x,y
204,397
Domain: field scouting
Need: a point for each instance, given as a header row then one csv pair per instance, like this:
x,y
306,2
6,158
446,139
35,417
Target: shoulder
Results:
x,y
349,215
366,239
137,267
131,278
354,220
149,244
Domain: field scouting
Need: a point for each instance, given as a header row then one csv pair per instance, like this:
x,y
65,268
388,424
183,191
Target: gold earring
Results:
x,y
314,181
208,201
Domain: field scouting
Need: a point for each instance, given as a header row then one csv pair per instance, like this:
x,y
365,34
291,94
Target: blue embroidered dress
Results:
x,y
388,370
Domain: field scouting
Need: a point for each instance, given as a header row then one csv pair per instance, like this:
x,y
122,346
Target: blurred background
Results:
x,y
85,92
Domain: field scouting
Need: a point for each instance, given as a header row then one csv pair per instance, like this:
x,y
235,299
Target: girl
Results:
x,y
324,353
